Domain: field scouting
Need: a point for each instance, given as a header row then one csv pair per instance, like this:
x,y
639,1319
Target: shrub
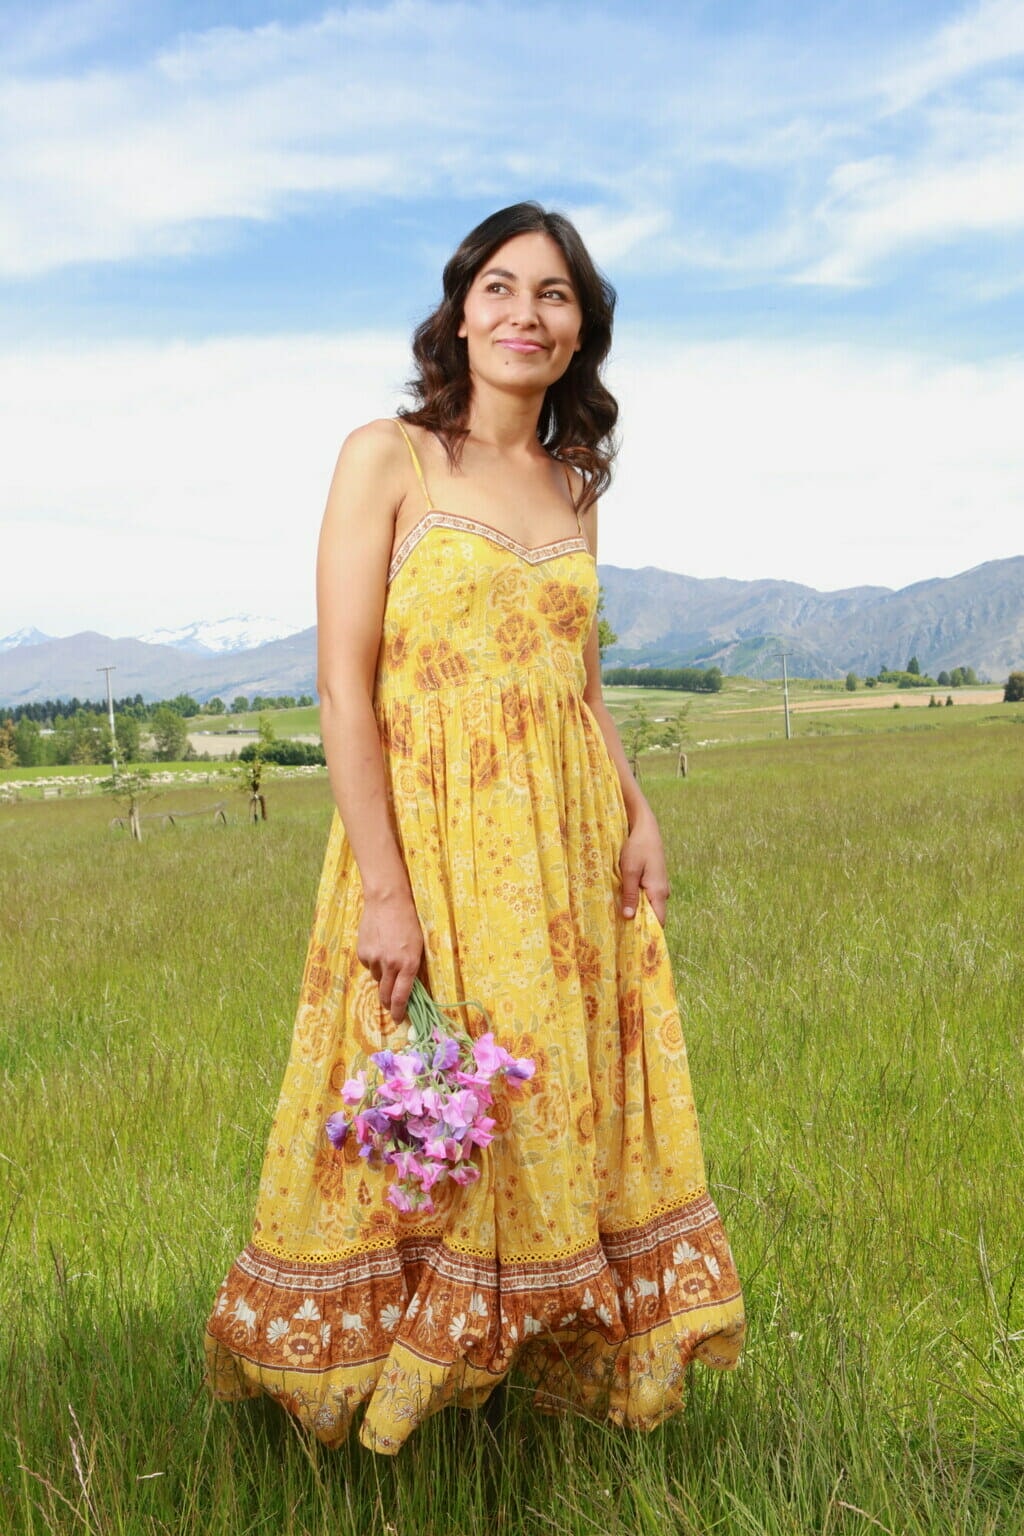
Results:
x,y
287,754
1013,692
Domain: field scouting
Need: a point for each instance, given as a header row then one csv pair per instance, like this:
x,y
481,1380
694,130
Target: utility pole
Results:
x,y
785,690
110,717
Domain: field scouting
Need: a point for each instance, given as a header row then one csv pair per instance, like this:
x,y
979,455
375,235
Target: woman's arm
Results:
x,y
355,549
642,860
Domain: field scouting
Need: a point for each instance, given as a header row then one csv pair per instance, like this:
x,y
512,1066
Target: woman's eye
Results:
x,y
555,293
497,287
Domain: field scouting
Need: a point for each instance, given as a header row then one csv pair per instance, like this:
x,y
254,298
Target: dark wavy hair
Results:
x,y
579,414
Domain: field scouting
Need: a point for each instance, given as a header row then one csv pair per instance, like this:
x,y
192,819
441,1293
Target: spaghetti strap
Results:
x,y
575,505
417,466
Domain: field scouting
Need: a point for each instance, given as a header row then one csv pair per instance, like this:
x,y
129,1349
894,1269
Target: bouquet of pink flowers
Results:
x,y
427,1109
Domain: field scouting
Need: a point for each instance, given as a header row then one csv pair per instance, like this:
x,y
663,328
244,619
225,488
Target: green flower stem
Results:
x,y
426,1016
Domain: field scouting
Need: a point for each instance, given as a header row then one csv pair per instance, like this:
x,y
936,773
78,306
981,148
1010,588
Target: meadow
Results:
x,y
845,929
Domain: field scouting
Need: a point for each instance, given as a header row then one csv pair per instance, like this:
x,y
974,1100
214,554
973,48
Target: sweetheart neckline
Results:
x,y
532,554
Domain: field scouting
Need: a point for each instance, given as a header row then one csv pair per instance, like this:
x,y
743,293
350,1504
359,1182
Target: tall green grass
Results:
x,y
847,942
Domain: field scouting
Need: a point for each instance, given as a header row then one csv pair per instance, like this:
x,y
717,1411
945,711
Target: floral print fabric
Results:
x,y
589,1254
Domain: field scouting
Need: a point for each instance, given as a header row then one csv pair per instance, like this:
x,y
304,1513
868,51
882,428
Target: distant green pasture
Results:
x,y
286,722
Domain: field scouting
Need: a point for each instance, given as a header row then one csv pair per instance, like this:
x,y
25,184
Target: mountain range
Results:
x,y
660,618
973,619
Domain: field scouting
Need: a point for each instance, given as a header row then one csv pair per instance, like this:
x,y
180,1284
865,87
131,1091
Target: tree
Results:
x,y
851,682
240,704
8,750
130,789
28,743
683,679
943,680
251,775
215,706
183,704
674,733
128,731
267,732
956,677
304,700
606,636
90,738
170,734
914,667
637,732
1013,693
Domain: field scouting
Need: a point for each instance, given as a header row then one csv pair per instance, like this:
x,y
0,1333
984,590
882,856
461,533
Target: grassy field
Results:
x,y
846,933
287,722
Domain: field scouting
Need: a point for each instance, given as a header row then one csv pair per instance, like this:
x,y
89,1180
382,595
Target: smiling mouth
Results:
x,y
515,345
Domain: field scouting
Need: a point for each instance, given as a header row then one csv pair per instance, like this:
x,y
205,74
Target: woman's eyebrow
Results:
x,y
545,282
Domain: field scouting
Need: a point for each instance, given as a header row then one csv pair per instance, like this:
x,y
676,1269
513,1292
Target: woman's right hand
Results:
x,y
390,944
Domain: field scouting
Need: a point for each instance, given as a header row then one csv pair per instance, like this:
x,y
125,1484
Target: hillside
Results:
x,y
661,619
975,618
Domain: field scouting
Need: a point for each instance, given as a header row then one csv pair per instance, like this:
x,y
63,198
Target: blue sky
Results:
x,y
218,225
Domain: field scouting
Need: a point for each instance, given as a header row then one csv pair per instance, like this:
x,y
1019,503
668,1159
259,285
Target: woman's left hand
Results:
x,y
642,867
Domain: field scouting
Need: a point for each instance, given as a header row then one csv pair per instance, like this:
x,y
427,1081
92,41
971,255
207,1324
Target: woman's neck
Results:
x,y
503,421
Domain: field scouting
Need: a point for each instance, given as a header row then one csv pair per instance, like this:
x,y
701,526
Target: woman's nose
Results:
x,y
524,309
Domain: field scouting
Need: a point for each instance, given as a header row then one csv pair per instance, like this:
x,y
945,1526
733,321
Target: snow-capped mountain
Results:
x,y
27,636
217,636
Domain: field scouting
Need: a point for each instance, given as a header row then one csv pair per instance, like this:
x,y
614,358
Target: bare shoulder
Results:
x,y
377,445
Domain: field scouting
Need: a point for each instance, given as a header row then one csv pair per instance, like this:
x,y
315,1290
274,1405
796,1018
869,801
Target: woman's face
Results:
x,y
522,320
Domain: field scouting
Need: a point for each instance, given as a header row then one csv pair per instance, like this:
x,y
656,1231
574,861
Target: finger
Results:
x,y
657,895
630,891
400,994
387,985
370,961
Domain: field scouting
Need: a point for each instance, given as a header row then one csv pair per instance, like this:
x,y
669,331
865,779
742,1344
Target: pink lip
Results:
x,y
515,345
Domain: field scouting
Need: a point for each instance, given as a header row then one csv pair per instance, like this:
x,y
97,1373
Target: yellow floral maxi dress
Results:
x,y
589,1254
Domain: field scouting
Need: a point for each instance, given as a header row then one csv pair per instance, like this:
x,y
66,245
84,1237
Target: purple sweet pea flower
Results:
x,y
384,1059
520,1069
445,1056
337,1129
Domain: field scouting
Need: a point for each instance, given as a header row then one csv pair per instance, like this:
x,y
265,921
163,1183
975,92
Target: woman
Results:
x,y
491,839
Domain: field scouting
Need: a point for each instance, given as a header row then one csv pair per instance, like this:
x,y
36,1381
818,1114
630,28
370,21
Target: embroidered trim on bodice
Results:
x,y
432,519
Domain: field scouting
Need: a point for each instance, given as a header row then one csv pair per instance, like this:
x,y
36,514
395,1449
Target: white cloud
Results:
x,y
874,215
733,155
985,34
148,486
